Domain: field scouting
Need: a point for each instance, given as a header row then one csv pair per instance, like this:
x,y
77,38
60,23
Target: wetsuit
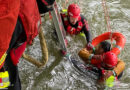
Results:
x,y
84,26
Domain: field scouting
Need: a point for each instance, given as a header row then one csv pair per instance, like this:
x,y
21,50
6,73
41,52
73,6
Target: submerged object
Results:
x,y
86,69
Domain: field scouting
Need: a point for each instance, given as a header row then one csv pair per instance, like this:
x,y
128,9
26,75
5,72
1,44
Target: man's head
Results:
x,y
73,13
103,47
109,60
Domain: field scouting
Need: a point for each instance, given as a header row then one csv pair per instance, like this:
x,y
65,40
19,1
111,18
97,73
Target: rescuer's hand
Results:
x,y
71,30
84,54
89,46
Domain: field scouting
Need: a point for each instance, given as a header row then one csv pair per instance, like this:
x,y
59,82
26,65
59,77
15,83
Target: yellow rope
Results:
x,y
43,48
44,52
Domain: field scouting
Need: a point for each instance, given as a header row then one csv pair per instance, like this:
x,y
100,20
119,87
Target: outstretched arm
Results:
x,y
86,29
87,32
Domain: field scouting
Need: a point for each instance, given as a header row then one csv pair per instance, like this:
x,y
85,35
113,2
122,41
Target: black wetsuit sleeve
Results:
x,y
88,35
86,29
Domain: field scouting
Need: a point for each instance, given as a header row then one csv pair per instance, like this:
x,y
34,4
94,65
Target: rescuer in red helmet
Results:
x,y
103,59
73,13
75,23
109,60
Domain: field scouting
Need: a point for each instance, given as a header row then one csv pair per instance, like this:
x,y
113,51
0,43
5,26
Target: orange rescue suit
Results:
x,y
84,56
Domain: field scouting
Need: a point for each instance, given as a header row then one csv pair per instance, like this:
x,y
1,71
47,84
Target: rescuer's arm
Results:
x,y
119,67
116,71
87,32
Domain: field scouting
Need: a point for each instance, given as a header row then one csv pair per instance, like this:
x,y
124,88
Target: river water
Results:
x,y
59,74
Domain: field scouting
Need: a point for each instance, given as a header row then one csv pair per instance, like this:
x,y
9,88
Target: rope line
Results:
x,y
107,19
44,52
64,5
106,15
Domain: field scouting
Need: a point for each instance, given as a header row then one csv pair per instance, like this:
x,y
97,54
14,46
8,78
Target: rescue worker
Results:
x,y
20,23
102,57
74,23
8,18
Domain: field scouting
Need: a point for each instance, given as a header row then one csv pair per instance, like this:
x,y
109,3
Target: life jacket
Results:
x,y
97,63
69,28
9,10
4,79
30,18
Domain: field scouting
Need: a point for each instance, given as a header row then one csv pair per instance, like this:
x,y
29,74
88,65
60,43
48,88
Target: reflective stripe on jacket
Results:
x,y
2,60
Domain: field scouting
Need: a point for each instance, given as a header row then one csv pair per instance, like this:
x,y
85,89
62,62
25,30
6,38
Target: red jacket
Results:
x,y
30,17
31,22
9,10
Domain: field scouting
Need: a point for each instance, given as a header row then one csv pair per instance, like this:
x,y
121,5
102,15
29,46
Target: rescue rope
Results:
x,y
106,15
107,19
64,5
44,52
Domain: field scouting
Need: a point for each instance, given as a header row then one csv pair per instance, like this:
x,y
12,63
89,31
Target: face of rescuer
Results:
x,y
72,20
73,13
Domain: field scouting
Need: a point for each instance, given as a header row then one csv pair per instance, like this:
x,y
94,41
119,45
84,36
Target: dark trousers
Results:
x,y
18,37
13,74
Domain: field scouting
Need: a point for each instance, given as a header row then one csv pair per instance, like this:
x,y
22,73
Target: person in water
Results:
x,y
74,23
104,59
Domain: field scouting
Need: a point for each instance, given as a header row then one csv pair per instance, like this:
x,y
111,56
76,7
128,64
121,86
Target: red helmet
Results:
x,y
74,10
109,60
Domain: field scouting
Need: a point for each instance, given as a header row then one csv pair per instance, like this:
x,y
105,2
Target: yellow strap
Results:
x,y
82,34
4,74
64,11
110,81
3,58
4,85
5,79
